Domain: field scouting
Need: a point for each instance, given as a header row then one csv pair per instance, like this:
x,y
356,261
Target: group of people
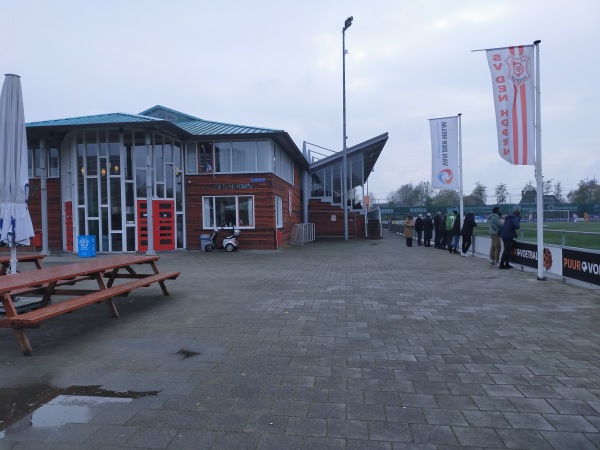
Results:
x,y
448,233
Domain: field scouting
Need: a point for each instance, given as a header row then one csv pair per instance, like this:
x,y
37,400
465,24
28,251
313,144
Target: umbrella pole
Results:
x,y
13,258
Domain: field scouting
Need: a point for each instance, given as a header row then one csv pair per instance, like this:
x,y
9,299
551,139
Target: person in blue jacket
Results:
x,y
507,233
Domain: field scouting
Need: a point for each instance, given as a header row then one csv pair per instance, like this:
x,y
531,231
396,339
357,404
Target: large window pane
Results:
x,y
208,220
264,156
53,163
206,157
317,184
244,156
223,157
246,212
225,209
91,146
191,158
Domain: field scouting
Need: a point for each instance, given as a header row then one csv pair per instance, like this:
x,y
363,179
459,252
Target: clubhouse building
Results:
x,y
165,178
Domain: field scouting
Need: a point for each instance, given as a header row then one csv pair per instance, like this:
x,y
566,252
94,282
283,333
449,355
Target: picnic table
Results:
x,y
21,258
55,281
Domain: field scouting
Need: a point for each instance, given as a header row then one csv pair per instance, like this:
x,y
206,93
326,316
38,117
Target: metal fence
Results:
x,y
303,233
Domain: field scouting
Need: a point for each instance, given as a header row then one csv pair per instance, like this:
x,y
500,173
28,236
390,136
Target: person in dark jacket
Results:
x,y
436,227
466,233
441,229
508,232
427,230
419,229
454,233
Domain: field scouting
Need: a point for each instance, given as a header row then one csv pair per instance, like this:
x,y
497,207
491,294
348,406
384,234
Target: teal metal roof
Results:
x,y
205,128
162,112
101,119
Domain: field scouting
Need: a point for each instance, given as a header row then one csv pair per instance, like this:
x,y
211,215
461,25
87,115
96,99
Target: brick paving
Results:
x,y
332,345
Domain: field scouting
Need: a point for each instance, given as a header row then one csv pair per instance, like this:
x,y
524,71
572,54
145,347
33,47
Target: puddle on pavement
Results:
x,y
44,406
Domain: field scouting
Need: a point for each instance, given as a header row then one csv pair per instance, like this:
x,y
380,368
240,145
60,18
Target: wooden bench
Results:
x,y
21,258
34,318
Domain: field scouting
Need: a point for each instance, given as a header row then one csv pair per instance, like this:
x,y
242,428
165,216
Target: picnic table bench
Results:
x,y
47,282
21,258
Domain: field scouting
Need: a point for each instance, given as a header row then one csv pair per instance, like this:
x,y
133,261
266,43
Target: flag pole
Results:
x,y
538,167
460,170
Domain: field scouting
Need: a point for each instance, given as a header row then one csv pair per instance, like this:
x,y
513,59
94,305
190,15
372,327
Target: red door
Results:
x,y
163,218
69,226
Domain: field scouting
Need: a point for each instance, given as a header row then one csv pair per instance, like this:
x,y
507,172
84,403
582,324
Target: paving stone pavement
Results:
x,y
331,345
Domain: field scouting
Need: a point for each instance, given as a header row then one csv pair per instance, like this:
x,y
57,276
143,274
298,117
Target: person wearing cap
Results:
x,y
427,230
496,245
508,232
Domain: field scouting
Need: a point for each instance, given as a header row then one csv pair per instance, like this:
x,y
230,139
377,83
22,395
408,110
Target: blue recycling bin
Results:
x,y
86,246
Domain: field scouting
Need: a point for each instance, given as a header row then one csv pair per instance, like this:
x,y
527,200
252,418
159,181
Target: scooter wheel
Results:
x,y
208,248
230,247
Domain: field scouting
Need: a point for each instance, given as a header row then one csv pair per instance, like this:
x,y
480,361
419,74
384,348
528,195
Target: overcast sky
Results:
x,y
278,64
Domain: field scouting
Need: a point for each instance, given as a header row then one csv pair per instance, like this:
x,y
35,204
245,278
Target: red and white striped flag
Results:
x,y
514,98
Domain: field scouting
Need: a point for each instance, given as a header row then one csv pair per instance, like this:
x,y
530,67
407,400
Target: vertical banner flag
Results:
x,y
444,153
514,96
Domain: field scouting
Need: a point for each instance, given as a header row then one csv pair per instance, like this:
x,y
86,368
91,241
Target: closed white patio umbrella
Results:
x,y
15,223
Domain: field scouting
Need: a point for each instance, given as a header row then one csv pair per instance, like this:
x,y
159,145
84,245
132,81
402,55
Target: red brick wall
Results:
x,y
262,236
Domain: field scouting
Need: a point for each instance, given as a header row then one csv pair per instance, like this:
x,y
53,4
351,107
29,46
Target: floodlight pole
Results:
x,y
347,24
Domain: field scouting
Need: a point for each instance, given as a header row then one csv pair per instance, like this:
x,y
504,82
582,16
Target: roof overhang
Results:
x,y
370,150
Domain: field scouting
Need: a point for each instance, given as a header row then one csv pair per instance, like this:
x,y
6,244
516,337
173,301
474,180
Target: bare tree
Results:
x,y
480,193
446,197
403,196
558,191
501,193
423,194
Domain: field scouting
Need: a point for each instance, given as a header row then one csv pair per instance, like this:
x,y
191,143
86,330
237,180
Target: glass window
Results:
x,y
317,184
191,159
264,156
244,156
279,212
227,212
53,163
159,158
205,155
34,162
222,157
91,164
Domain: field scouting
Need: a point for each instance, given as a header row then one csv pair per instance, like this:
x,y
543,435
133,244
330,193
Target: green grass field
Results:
x,y
582,235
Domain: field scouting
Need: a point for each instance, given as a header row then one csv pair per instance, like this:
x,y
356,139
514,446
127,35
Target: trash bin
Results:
x,y
86,246
204,239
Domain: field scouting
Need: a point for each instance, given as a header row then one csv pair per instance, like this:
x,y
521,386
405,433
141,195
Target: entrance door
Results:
x,y
163,218
69,226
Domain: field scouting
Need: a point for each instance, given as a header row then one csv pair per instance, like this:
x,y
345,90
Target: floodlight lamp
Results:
x,y
348,23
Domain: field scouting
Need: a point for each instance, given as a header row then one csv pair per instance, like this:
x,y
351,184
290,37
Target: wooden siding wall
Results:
x,y
55,220
321,213
262,236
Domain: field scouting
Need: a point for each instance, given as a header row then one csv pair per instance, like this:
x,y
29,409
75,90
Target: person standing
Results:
x,y
508,232
436,227
453,228
427,230
496,244
409,228
450,218
466,233
419,229
443,233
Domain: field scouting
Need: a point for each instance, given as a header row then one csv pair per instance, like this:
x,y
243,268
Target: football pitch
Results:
x,y
580,235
